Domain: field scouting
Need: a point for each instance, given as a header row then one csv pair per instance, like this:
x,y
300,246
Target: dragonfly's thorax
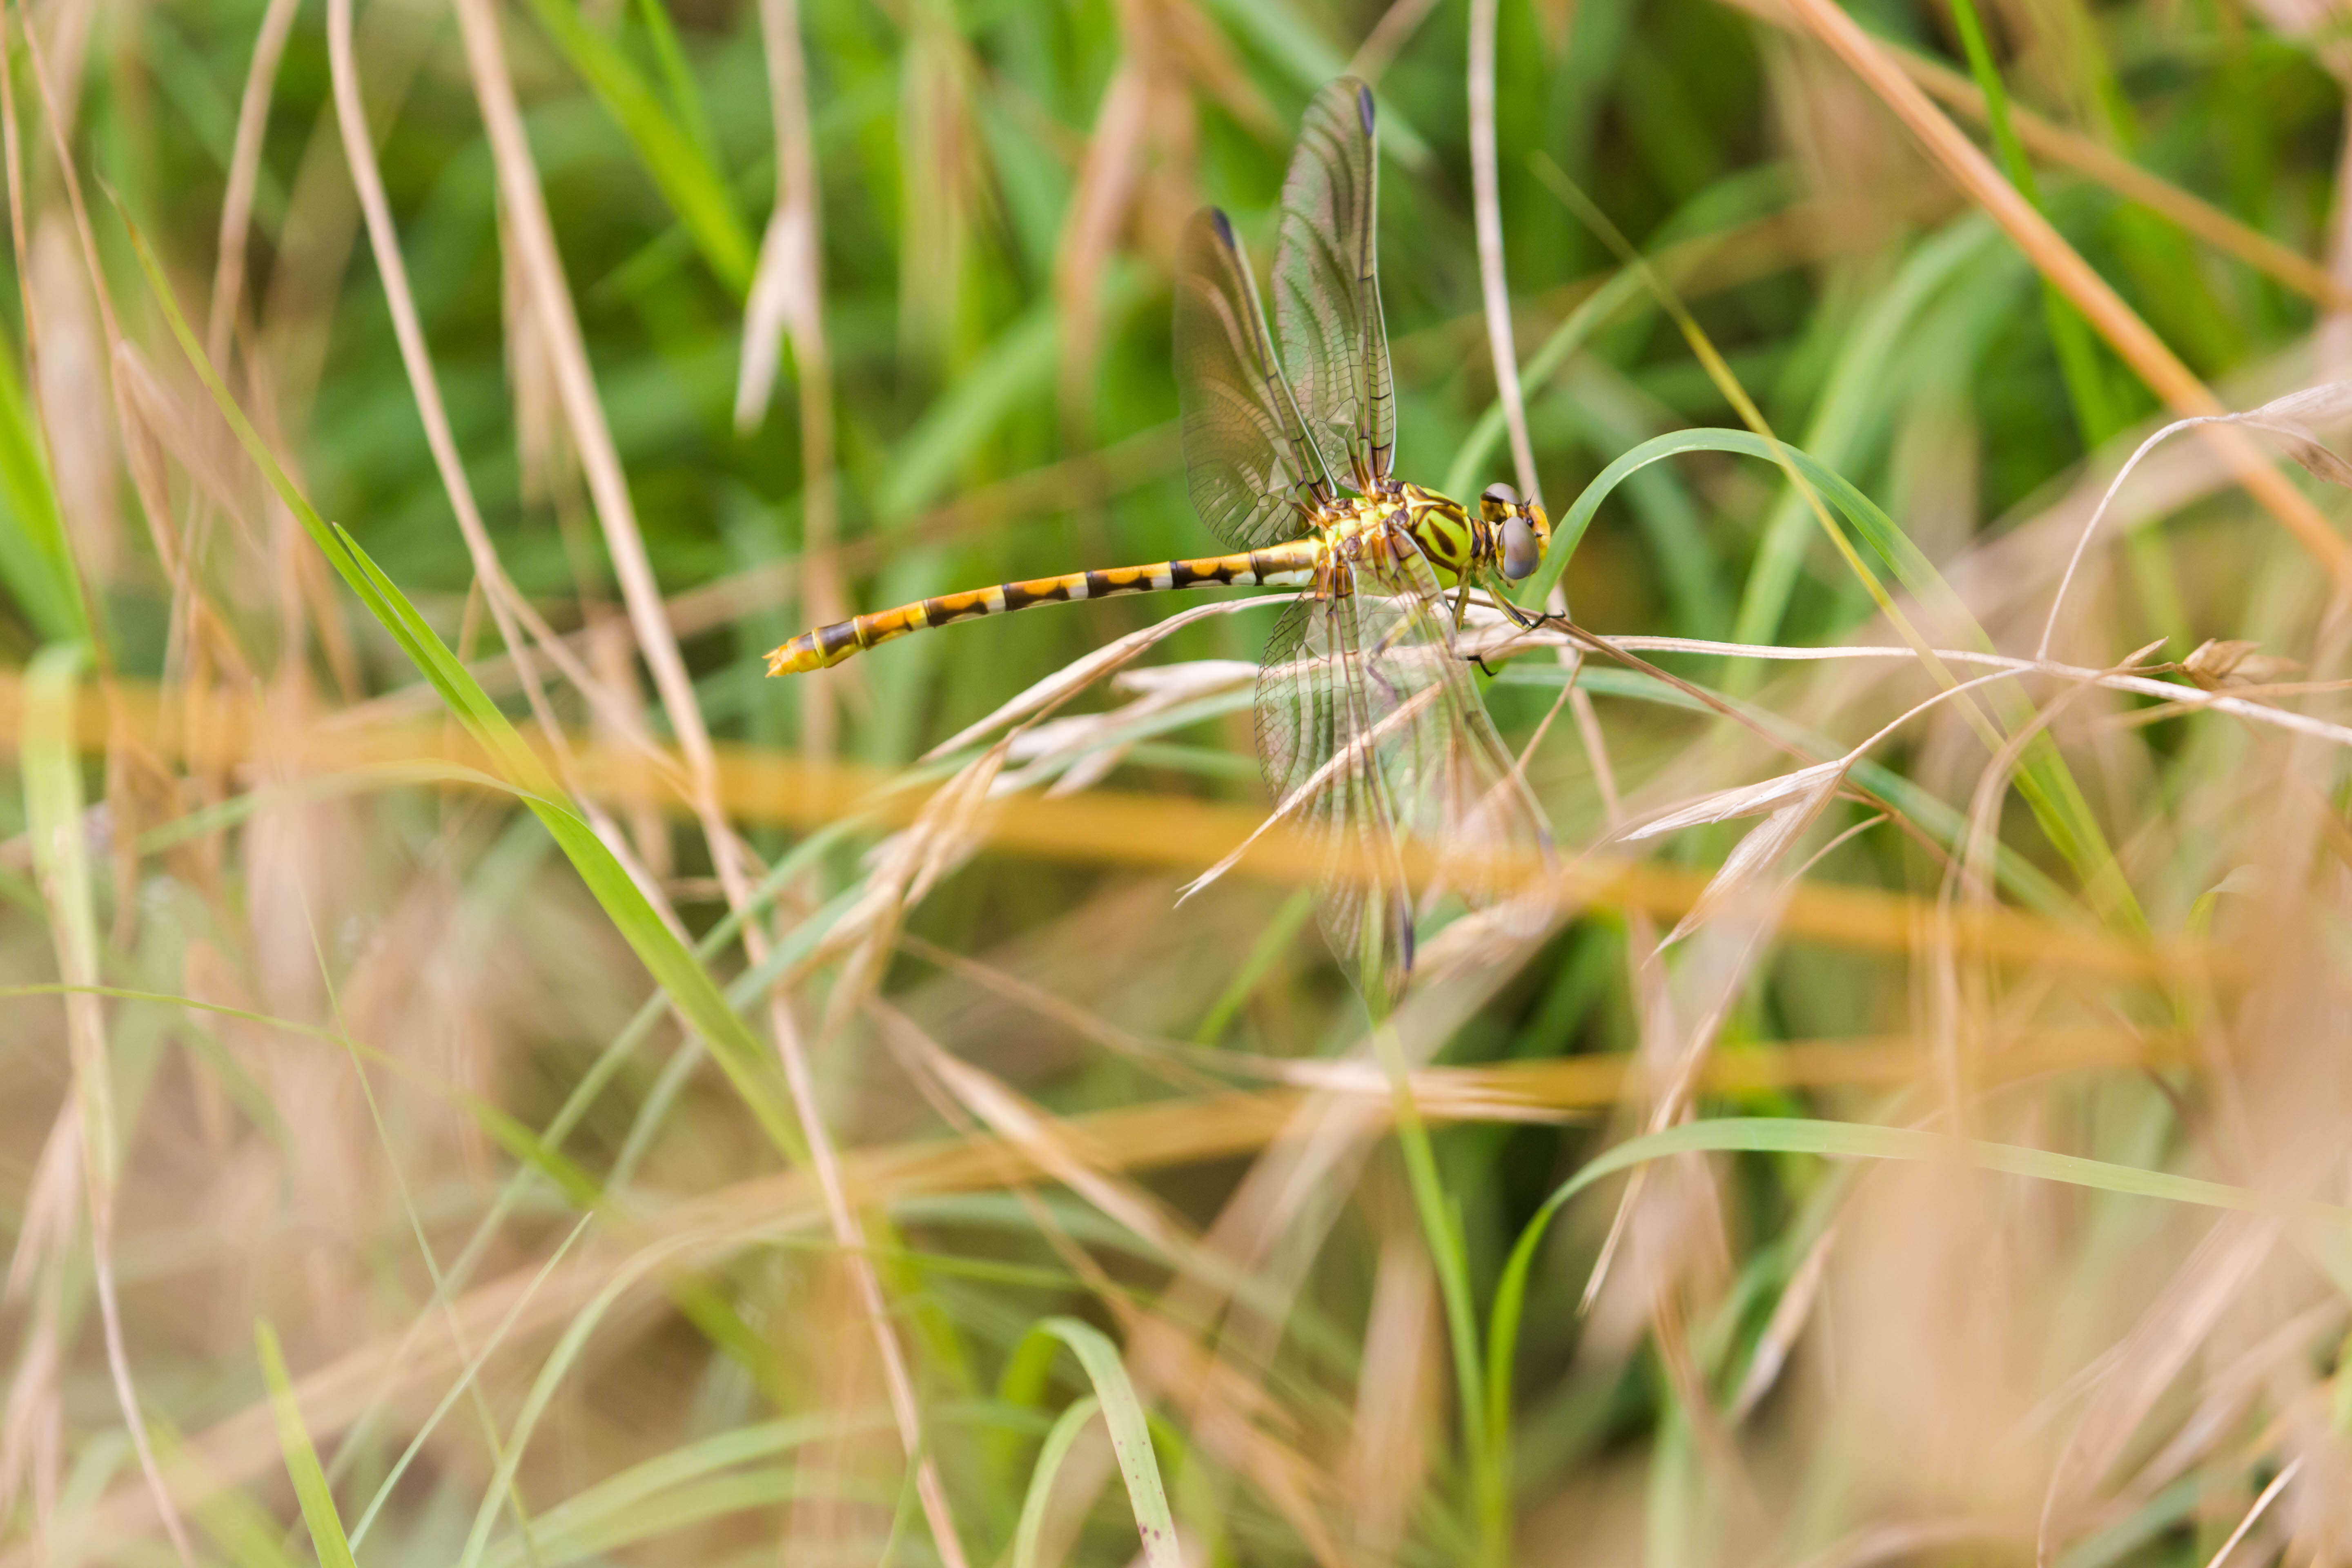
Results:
x,y
1398,519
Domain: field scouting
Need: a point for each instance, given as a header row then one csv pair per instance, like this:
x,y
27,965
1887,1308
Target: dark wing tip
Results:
x,y
1364,107
1222,224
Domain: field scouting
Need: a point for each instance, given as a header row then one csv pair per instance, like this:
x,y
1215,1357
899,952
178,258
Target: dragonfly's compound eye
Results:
x,y
1521,550
1499,502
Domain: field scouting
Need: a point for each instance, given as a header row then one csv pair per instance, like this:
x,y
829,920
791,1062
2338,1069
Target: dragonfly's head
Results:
x,y
1526,531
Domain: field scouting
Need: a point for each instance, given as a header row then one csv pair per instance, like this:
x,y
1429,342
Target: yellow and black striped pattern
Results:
x,y
1292,565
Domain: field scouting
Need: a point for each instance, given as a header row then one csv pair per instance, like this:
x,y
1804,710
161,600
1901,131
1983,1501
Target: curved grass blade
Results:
x,y
1059,1444
1852,1141
2048,787
1130,1438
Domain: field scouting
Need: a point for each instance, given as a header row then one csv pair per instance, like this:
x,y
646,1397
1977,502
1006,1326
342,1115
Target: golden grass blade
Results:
x,y
2116,322
1109,827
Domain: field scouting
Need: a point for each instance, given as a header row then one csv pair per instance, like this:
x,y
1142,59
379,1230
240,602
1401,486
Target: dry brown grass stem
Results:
x,y
1389,35
511,611
707,1230
2130,337
1487,213
533,239
534,235
2186,698
244,172
77,958
790,285
2120,174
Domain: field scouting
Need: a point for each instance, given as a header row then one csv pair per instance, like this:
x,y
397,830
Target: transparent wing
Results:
x,y
1245,453
1372,735
1470,828
1327,285
1316,744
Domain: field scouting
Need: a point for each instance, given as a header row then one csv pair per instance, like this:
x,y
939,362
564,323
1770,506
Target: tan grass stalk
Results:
x,y
1494,294
244,168
2168,1332
1387,39
77,958
2281,416
2262,1505
1038,1133
65,893
32,1422
2100,163
2116,322
1487,212
790,286
1108,176
534,238
508,608
1397,1397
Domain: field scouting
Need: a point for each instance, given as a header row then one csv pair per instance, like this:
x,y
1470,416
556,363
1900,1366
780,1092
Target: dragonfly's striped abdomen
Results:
x,y
1290,564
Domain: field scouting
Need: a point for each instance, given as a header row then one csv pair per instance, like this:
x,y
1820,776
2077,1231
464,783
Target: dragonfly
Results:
x,y
1374,741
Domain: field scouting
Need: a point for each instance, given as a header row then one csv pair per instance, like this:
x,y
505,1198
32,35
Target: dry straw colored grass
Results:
x,y
491,1080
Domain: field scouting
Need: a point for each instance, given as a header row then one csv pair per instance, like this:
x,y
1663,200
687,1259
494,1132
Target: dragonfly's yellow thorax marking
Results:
x,y
1402,517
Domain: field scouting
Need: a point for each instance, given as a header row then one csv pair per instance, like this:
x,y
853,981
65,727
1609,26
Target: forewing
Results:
x,y
1327,285
1466,820
1322,769
1245,453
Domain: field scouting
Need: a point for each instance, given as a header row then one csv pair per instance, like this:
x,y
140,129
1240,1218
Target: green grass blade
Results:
x,y
1017,367
688,179
1059,1440
1857,389
35,560
677,76
50,763
2096,415
311,1486
1130,1437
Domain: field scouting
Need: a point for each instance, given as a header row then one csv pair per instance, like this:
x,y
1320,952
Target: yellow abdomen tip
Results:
x,y
794,657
